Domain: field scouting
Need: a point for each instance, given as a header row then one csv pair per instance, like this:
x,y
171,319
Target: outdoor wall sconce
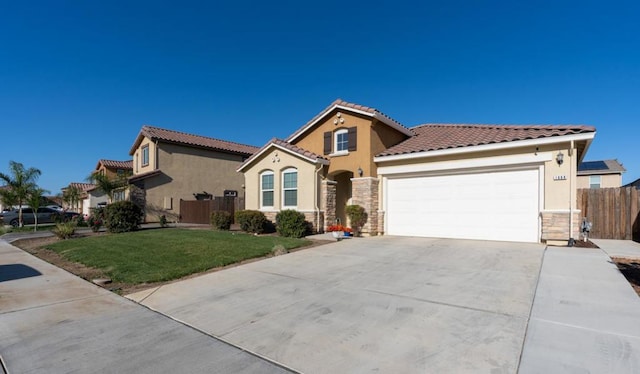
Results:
x,y
560,158
360,171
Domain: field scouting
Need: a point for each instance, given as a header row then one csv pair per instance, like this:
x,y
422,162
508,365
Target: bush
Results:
x,y
96,219
163,221
251,221
357,216
291,223
80,222
64,230
221,220
122,216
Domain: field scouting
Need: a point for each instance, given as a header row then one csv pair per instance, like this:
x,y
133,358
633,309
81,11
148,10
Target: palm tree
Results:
x,y
105,184
34,199
19,182
71,196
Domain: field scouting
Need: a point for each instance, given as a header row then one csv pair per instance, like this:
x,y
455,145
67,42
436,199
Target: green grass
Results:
x,y
166,254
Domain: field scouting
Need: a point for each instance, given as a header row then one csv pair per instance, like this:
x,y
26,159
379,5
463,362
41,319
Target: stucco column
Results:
x,y
328,202
364,192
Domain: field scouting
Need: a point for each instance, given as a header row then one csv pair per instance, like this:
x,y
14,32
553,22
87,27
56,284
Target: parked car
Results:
x,y
45,215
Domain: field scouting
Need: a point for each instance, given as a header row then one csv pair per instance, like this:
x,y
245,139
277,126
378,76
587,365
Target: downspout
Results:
x,y
155,161
571,194
315,194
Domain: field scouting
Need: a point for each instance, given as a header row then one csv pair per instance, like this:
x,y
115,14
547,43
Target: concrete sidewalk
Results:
x,y
619,248
54,322
585,316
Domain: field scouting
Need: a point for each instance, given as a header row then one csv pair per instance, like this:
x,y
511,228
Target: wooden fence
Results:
x,y
199,211
614,212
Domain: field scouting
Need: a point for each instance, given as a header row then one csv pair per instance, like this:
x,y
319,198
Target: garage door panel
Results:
x,y
499,205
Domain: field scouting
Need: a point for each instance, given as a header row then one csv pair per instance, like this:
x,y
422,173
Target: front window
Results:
x,y
145,155
266,188
594,181
118,195
290,188
342,141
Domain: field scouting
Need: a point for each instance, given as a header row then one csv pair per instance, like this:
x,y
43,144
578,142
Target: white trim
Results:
x,y
341,131
338,154
487,147
282,202
262,190
382,118
560,211
468,164
256,155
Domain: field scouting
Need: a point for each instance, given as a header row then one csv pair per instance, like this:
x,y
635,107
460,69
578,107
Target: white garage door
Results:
x,y
500,205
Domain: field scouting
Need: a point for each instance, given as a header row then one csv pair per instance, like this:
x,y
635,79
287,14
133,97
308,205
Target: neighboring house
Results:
x,y
600,174
635,183
115,170
89,197
511,183
169,166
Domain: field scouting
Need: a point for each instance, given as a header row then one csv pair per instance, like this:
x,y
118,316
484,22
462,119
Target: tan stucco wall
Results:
x,y
187,170
372,137
606,181
138,168
308,184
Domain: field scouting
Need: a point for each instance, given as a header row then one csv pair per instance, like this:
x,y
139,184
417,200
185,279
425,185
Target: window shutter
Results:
x,y
327,142
353,138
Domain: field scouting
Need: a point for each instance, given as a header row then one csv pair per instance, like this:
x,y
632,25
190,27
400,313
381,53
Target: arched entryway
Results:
x,y
343,193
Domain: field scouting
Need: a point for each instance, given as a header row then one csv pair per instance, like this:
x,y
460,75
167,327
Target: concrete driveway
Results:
x,y
383,304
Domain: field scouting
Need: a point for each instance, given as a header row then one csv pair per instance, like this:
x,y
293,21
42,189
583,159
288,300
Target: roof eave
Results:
x,y
377,115
490,147
255,156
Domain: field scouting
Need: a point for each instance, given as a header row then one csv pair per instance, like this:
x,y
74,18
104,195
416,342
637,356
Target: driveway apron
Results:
x,y
382,304
54,322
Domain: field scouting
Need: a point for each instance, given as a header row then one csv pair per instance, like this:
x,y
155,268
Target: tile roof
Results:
x,y
115,164
81,186
600,167
431,137
288,146
142,176
345,104
171,136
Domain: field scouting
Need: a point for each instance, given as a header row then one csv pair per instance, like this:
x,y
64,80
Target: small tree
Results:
x,y
34,199
357,217
106,184
71,196
19,182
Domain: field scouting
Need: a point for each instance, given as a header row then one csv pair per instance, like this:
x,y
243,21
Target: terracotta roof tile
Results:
x,y
171,136
431,137
289,147
346,104
116,164
82,186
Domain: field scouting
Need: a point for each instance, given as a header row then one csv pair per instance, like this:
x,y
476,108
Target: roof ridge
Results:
x,y
502,126
198,136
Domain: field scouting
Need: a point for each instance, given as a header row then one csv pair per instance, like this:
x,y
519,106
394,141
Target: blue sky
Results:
x,y
79,78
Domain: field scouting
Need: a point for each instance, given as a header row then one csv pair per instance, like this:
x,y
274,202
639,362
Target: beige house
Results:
x,y
169,166
600,174
115,170
510,183
88,197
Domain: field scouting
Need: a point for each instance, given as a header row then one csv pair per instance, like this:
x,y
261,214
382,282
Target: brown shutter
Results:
x,y
353,138
327,142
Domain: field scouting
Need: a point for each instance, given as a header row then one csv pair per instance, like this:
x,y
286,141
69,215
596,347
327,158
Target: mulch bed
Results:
x,y
630,268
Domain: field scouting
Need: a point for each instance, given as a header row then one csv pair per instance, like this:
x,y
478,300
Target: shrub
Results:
x,y
122,216
96,219
291,223
357,216
80,222
221,220
163,221
64,230
251,221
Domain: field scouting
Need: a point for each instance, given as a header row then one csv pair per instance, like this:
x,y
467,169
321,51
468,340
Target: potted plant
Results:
x,y
336,230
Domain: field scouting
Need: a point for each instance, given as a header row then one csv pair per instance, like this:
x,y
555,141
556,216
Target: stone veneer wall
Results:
x,y
555,225
381,222
311,217
328,202
364,192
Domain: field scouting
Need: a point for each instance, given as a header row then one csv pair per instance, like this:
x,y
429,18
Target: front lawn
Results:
x,y
166,254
